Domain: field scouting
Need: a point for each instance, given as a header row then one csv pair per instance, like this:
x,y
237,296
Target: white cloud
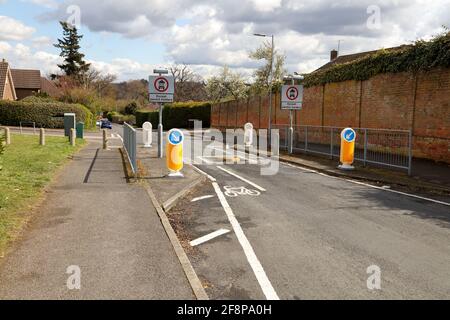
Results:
x,y
44,3
215,33
12,29
41,42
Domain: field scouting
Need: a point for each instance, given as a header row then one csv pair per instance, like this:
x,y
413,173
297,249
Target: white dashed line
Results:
x,y
202,198
209,237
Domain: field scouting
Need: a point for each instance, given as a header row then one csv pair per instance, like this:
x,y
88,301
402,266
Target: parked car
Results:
x,y
106,124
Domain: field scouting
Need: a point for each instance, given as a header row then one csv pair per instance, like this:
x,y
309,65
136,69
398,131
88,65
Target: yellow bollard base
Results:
x,y
176,175
346,167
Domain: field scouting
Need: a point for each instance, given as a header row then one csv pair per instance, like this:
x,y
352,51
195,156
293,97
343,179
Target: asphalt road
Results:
x,y
304,235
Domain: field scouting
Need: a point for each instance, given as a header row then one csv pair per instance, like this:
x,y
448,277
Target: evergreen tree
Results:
x,y
74,64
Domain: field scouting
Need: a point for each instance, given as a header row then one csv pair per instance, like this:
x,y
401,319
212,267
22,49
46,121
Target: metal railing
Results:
x,y
130,145
382,147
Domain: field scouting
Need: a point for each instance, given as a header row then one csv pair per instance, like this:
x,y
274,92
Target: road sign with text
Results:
x,y
162,89
292,97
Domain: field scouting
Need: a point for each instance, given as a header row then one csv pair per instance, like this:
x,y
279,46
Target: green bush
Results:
x,y
44,114
177,115
131,108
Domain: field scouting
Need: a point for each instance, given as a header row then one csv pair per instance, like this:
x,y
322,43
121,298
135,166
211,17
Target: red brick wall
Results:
x,y
215,115
388,101
242,113
432,115
405,101
253,110
312,107
342,104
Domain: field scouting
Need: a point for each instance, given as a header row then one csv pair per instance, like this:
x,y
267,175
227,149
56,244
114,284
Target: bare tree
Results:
x,y
189,85
95,80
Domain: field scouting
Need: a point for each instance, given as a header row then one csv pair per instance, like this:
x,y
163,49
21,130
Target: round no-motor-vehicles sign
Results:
x,y
161,88
349,135
176,137
292,97
161,84
292,93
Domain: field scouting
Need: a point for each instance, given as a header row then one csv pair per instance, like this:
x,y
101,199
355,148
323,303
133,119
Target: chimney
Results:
x,y
334,55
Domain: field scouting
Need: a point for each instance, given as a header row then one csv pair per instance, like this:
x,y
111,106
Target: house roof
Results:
x,y
5,73
356,56
26,79
49,87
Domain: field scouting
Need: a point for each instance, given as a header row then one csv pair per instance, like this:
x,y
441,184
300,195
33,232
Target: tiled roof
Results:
x,y
26,79
3,75
4,68
49,87
353,57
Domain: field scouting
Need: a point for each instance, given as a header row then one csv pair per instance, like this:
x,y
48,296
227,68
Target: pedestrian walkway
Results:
x,y
94,220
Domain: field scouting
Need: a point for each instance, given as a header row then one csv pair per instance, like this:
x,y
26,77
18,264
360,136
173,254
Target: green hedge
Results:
x,y
177,115
44,114
422,56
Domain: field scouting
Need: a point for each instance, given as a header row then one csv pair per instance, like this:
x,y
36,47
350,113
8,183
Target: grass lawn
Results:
x,y
25,169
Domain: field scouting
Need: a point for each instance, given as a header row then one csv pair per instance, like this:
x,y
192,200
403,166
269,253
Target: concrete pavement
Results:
x,y
94,220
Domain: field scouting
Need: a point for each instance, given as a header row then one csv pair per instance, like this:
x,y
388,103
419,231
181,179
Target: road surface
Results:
x,y
304,235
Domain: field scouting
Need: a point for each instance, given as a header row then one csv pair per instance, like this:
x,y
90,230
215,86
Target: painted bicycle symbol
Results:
x,y
232,192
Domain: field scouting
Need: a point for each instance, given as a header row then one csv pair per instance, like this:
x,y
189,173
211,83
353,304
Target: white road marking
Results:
x,y
243,179
370,185
209,237
212,179
246,156
398,192
252,259
205,160
202,198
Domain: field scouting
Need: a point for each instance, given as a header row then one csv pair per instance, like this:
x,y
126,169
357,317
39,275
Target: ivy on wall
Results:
x,y
422,56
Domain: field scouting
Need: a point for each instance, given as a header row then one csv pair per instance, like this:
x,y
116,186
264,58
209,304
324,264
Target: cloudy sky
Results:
x,y
129,38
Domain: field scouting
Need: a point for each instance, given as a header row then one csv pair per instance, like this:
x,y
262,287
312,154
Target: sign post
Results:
x,y
348,138
291,99
175,139
162,90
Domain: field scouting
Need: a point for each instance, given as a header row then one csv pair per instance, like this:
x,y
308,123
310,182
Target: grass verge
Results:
x,y
26,168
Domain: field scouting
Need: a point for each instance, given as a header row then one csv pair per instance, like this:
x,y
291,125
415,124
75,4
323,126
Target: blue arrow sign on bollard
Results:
x,y
349,135
176,137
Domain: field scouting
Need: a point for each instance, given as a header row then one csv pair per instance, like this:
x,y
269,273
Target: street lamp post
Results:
x,y
271,76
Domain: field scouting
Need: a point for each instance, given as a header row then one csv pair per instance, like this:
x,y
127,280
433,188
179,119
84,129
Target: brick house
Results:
x,y
26,82
7,90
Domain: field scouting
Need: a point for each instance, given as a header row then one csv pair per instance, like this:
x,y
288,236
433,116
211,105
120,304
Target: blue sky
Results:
x,y
130,38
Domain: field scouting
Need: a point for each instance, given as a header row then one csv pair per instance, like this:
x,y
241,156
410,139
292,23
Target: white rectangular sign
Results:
x,y
292,97
161,88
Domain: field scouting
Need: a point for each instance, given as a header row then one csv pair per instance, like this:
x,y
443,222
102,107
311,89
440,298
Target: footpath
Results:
x,y
93,221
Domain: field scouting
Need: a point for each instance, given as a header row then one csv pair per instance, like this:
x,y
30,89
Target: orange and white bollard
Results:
x,y
174,152
348,138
